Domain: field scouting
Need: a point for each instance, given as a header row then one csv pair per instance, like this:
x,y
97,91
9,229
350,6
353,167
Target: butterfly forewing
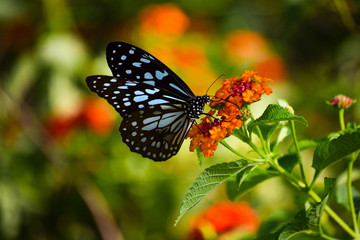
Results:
x,y
130,62
128,96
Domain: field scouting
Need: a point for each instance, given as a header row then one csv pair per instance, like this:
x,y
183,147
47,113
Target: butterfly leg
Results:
x,y
194,122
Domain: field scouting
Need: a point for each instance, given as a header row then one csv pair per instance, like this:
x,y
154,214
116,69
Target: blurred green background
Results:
x,y
64,171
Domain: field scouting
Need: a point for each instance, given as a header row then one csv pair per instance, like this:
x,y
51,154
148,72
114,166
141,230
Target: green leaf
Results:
x,y
267,130
237,180
303,144
252,179
270,236
276,113
208,180
283,134
288,162
200,156
300,235
329,186
315,214
298,229
274,222
241,133
342,197
329,151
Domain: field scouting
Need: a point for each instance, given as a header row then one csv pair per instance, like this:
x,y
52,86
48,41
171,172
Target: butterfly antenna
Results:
x,y
214,82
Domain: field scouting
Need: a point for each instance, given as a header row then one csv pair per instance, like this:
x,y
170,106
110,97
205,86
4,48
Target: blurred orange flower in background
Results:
x,y
251,48
246,45
224,218
272,66
189,61
94,114
163,19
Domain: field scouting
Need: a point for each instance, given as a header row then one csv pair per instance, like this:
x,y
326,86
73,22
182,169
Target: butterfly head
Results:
x,y
205,99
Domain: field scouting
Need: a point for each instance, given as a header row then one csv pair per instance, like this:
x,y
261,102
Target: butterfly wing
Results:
x,y
154,120
153,135
128,96
130,62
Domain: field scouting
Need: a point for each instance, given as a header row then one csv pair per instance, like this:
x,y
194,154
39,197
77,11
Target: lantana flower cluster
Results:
x,y
229,111
342,101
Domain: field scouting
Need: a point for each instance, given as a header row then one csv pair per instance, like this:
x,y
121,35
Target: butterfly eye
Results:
x,y
157,107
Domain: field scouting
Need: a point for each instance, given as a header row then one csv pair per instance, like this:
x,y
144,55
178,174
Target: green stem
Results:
x,y
293,180
350,196
225,144
256,149
341,118
263,144
293,133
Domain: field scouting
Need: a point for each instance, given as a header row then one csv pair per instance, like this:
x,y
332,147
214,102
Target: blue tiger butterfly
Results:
x,y
157,107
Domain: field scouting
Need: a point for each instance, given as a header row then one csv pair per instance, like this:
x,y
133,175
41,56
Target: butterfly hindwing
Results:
x,y
130,62
155,135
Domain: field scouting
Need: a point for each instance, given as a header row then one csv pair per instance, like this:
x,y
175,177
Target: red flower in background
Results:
x,y
223,218
94,114
98,115
342,101
164,19
61,126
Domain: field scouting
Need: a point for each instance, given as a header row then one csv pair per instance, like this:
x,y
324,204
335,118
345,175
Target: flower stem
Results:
x,y
225,144
293,132
256,149
263,144
350,196
341,118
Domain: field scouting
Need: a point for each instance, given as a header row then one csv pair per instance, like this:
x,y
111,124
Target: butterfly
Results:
x,y
157,107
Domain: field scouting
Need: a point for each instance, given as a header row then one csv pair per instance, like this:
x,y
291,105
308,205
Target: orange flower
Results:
x,y
250,87
223,218
206,135
229,101
164,19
